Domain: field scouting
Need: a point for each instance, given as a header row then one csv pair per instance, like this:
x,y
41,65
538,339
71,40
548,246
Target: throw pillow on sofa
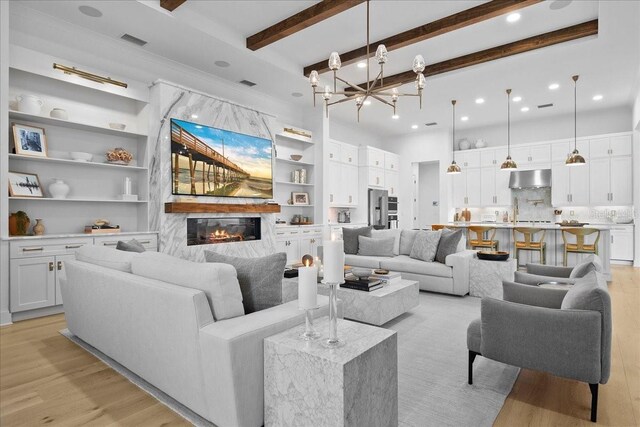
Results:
x,y
219,282
407,237
383,234
448,244
369,246
425,245
260,278
131,246
350,238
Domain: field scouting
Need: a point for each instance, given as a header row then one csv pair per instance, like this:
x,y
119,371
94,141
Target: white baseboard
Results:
x,y
5,318
39,312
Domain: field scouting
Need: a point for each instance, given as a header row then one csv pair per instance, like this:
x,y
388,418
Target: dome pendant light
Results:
x,y
575,159
509,164
453,167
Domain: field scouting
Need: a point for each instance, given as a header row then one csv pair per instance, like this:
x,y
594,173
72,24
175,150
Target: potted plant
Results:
x,y
19,223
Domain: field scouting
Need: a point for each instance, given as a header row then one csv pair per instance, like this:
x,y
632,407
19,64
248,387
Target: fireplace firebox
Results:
x,y
208,231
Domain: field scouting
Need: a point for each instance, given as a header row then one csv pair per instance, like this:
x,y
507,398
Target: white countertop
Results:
x,y
543,225
73,235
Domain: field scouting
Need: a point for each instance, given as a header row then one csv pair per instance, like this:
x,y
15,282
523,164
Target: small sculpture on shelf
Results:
x,y
19,223
119,156
38,229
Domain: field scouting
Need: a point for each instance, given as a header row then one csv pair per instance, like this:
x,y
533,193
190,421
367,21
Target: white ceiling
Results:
x,y
199,33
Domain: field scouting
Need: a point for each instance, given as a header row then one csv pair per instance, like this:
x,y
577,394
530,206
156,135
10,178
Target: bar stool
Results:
x,y
436,227
530,243
480,241
579,246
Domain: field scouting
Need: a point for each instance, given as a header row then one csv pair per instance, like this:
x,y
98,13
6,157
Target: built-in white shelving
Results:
x,y
294,137
45,120
294,162
51,199
294,184
75,162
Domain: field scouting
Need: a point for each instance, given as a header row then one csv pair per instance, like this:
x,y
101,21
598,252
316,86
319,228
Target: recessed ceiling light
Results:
x,y
395,117
414,126
194,116
90,11
296,94
480,101
362,64
517,98
464,118
597,97
367,102
554,86
222,64
513,17
524,109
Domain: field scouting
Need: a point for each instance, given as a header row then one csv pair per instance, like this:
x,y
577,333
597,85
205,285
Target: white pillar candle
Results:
x,y
308,287
333,251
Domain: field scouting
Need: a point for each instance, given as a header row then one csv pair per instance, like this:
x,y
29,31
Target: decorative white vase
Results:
x,y
59,189
30,104
59,113
480,143
464,144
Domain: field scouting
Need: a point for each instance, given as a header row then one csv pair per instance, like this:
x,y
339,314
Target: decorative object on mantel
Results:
x,y
59,113
87,75
30,104
308,295
575,159
38,229
508,164
190,207
19,223
359,94
29,140
296,157
119,156
59,189
297,132
453,167
117,126
24,185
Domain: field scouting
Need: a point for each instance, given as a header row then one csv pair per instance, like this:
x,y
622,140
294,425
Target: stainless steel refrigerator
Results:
x,y
378,209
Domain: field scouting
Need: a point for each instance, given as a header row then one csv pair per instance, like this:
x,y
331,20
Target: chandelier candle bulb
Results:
x,y
334,260
308,287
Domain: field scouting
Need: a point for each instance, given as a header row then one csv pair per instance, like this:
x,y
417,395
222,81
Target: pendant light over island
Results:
x,y
453,167
509,164
575,159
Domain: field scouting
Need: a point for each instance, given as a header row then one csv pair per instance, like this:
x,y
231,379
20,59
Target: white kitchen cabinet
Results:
x,y
493,157
610,181
503,192
335,152
335,169
560,150
349,185
33,283
599,181
569,185
372,157
343,174
474,187
297,242
622,243
468,159
467,188
488,195
391,182
61,274
376,177
534,155
391,161
621,145
349,154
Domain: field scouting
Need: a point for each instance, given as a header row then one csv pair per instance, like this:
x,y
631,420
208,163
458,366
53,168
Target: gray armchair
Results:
x,y
563,332
538,273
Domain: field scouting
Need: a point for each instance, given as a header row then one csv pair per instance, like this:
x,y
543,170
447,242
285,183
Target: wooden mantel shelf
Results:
x,y
188,207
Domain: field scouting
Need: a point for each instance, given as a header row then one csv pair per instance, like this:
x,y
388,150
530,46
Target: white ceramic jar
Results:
x,y
59,113
464,144
30,104
59,189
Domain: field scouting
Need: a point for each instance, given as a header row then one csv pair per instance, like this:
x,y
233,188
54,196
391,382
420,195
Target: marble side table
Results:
x,y
306,384
485,277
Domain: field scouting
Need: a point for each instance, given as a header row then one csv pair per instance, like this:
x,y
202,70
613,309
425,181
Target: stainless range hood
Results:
x,y
538,178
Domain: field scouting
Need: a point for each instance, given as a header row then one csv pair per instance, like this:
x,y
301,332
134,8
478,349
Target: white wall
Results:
x,y
589,123
428,192
355,134
5,316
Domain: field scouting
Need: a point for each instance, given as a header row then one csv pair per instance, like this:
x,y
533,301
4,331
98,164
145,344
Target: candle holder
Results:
x,y
309,333
333,341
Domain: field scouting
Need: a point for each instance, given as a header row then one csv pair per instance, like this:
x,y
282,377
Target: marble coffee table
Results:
x,y
380,306
485,277
306,384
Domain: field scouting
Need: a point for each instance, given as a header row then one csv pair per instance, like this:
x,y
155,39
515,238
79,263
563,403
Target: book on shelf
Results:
x,y
352,282
391,277
347,285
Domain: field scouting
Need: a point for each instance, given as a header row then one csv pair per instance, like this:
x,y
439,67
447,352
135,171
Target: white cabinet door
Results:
x,y
350,184
33,283
501,156
621,181
391,182
459,183
599,179
281,246
334,182
560,151
599,148
468,159
334,151
560,186
376,177
622,244
487,158
540,154
293,251
60,274
391,161
520,155
349,154
474,186
620,145
375,158
488,195
503,192
306,246
579,184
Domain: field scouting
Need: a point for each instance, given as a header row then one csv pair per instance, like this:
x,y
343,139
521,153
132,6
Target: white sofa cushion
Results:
x,y
425,245
407,237
106,257
364,261
383,234
403,263
219,282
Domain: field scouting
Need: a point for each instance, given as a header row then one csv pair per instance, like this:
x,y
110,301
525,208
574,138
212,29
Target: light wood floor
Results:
x,y
46,379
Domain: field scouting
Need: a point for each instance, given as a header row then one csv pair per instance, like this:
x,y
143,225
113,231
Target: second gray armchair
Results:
x,y
539,273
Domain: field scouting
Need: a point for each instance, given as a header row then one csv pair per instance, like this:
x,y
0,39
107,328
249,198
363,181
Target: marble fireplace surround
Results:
x,y
173,101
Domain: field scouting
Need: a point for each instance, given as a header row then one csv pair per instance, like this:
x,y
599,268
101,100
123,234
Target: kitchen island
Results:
x,y
553,239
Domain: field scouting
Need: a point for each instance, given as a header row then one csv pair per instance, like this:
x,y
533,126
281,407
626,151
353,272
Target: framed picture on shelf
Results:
x,y
300,198
29,140
24,185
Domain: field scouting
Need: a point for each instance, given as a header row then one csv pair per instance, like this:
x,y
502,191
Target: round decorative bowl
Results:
x,y
80,156
381,271
117,126
361,273
296,157
493,255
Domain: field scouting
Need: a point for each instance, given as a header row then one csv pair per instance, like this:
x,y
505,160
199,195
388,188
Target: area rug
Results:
x,y
432,369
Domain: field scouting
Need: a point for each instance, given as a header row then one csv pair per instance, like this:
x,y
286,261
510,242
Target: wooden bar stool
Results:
x,y
579,246
436,227
530,243
480,241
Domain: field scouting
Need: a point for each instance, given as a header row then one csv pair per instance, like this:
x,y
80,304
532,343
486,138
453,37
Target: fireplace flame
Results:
x,y
218,235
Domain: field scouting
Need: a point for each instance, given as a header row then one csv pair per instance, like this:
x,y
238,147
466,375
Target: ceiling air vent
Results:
x,y
132,39
247,83
431,124
545,105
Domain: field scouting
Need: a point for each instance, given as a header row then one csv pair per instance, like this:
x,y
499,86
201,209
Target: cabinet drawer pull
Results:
x,y
32,249
145,242
72,246
51,266
110,243
307,231
59,265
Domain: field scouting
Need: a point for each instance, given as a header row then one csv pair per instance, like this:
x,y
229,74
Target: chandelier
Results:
x,y
373,90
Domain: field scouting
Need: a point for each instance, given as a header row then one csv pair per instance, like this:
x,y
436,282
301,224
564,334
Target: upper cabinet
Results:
x,y
391,161
493,157
560,150
372,157
342,184
610,146
379,166
468,159
532,156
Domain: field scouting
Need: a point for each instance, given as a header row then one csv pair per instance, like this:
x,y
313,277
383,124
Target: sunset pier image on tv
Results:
x,y
207,161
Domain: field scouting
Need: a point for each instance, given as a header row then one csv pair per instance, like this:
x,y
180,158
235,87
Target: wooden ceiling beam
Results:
x,y
301,20
562,35
171,5
449,23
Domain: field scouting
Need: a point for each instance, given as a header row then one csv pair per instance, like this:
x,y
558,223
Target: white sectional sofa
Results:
x,y
167,335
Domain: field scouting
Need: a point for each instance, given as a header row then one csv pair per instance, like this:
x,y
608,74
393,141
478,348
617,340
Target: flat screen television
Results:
x,y
207,161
